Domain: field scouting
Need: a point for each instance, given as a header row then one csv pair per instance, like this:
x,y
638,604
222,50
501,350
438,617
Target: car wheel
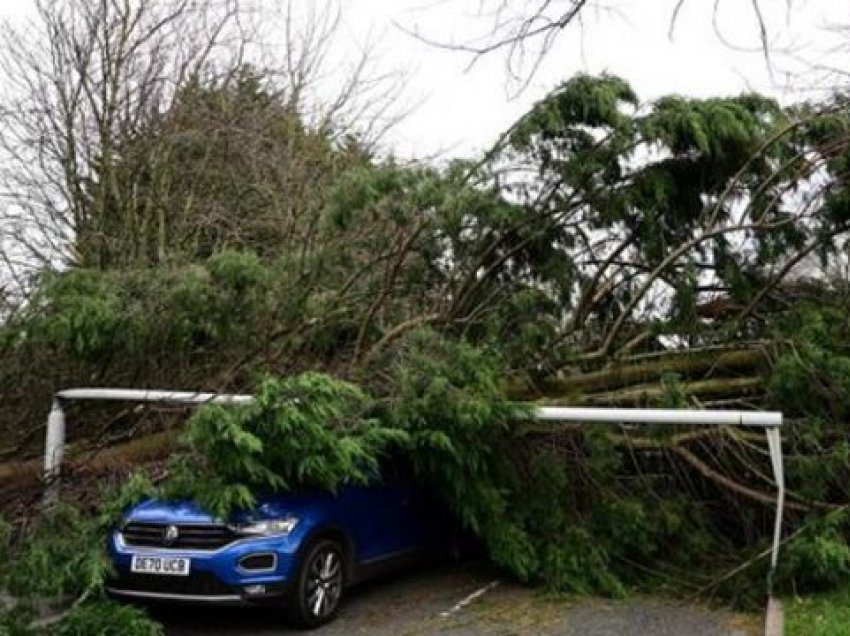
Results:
x,y
319,584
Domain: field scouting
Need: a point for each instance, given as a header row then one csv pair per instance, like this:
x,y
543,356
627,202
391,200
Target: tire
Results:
x,y
319,584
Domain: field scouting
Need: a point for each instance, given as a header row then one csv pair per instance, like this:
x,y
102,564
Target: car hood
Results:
x,y
189,512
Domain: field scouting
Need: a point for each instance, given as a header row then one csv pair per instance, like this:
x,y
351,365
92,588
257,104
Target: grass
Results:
x,y
821,615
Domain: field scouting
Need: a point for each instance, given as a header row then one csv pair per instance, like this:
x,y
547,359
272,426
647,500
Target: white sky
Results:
x,y
466,110
461,111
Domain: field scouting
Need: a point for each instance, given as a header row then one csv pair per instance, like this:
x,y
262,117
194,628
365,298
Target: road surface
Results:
x,y
468,601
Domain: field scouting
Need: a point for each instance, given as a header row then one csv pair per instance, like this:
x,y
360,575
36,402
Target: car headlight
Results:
x,y
266,528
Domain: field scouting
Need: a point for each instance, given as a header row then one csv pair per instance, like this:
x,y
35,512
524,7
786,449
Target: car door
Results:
x,y
382,515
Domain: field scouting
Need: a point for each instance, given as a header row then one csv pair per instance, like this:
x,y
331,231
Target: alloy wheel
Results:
x,y
324,583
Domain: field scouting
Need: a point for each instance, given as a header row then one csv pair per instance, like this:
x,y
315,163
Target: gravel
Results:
x,y
444,601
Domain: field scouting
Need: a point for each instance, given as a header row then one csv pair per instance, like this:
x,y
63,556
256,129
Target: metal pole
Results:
x,y
54,444
759,419
774,444
153,395
54,448
774,623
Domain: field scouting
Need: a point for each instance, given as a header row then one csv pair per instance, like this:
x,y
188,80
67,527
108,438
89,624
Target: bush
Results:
x,y
16,622
106,618
818,557
62,556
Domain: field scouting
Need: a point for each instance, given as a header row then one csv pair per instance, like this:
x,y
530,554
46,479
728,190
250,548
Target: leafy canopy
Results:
x,y
308,431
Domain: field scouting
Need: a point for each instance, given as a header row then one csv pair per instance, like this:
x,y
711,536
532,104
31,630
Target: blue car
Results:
x,y
298,550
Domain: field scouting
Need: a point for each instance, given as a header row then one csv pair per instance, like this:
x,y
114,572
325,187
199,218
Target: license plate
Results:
x,y
167,566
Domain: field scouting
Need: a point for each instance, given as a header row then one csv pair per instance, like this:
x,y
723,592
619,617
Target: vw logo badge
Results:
x,y
170,535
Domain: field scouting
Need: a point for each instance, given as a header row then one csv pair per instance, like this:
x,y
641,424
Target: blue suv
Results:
x,y
301,549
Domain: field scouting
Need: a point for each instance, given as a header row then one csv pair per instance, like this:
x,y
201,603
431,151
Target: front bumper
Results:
x,y
166,597
272,594
215,576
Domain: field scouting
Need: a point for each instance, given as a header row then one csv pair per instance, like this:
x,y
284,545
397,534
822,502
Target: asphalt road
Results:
x,y
438,601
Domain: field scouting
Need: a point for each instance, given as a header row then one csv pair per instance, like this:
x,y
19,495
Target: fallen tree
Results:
x,y
574,508
413,305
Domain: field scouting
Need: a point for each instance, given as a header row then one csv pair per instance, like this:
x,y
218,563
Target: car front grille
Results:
x,y
189,537
196,584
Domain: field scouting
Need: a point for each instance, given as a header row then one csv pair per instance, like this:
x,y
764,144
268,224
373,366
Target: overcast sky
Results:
x,y
462,110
